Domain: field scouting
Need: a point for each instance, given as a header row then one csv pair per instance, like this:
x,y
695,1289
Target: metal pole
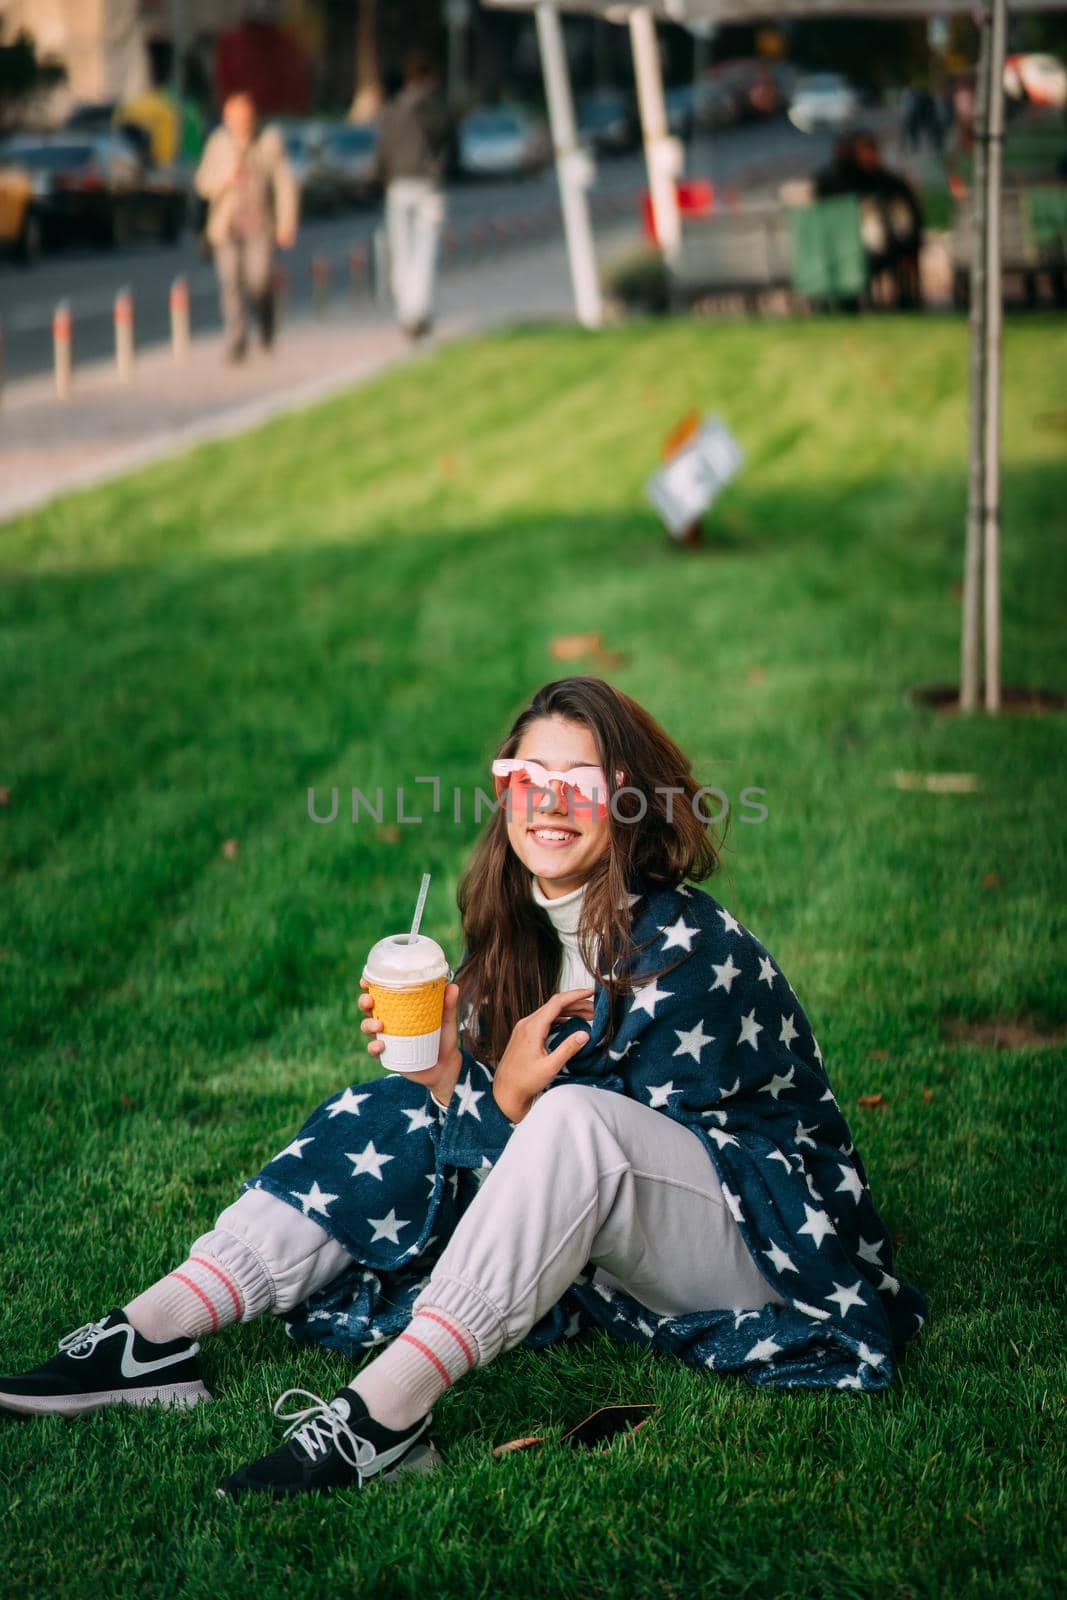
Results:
x,y
573,168
662,153
993,331
970,633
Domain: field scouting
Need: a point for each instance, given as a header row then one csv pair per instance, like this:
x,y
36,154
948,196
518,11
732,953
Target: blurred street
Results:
x,y
752,158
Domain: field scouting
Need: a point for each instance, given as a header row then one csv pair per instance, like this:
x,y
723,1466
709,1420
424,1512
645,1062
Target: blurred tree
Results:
x,y
22,75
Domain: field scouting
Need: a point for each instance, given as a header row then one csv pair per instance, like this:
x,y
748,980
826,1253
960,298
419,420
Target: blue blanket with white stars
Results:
x,y
720,1044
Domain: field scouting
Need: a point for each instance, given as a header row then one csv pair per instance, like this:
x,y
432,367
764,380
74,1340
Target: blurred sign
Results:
x,y
457,13
684,488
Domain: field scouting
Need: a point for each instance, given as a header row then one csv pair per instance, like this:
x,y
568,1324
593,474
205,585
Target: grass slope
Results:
x,y
367,593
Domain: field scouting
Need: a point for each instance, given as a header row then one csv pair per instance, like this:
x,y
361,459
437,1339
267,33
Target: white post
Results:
x,y
663,154
993,324
573,169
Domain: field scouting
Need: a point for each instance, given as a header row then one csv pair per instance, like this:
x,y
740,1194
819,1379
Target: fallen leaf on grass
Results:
x,y
937,782
992,880
928,1095
572,646
515,1444
387,832
756,673
878,1055
230,848
5,797
872,1102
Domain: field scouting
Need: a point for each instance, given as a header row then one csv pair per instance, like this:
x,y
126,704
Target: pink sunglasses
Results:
x,y
590,782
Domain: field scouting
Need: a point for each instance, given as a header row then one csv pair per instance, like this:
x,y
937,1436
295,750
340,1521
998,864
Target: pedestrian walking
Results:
x,y
253,207
414,139
629,1126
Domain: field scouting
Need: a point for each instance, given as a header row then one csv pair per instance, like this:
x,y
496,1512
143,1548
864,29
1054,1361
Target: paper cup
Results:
x,y
406,979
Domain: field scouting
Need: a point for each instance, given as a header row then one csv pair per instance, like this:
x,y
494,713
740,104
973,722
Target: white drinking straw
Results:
x,y
413,935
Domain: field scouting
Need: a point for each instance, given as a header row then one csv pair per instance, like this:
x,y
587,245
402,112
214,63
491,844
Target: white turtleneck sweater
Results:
x,y
563,913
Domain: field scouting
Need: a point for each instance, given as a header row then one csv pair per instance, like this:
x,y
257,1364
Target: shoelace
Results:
x,y
318,1426
89,1335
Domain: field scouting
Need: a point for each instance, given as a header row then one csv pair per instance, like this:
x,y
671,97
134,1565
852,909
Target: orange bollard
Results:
x,y
320,282
62,342
179,319
124,334
358,268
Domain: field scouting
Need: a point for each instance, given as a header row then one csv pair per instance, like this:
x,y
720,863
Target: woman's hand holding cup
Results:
x,y
441,1078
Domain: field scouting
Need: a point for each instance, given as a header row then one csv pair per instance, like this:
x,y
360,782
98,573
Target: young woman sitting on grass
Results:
x,y
631,1127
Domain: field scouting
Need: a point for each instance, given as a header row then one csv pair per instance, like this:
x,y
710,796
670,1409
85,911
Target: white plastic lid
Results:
x,y
400,959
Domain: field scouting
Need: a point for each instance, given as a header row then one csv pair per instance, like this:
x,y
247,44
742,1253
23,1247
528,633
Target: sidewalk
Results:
x,y
49,446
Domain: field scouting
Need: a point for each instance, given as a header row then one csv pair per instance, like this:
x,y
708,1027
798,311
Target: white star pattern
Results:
x,y
348,1101
817,1223
778,1083
419,1118
847,1298
679,934
850,1183
648,997
295,1149
468,1098
314,1200
659,1094
780,1259
724,974
692,1042
783,1225
368,1160
749,1029
851,1380
388,1227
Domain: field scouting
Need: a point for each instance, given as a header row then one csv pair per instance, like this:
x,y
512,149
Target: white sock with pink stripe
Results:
x,y
197,1298
412,1374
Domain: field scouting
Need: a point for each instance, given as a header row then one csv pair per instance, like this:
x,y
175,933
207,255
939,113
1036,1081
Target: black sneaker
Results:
x,y
335,1445
104,1364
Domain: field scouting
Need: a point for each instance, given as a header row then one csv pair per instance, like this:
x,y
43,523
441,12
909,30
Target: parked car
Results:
x,y
502,141
608,121
716,103
351,153
320,181
823,100
681,111
56,188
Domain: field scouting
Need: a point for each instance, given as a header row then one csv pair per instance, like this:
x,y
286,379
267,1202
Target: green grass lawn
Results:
x,y
368,593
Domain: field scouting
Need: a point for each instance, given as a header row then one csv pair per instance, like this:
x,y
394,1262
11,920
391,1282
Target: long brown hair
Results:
x,y
513,960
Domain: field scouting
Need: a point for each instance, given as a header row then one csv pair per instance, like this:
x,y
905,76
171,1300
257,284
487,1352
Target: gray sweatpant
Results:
x,y
587,1176
245,269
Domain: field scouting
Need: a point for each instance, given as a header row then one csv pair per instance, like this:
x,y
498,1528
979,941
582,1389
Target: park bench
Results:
x,y
1033,241
812,251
